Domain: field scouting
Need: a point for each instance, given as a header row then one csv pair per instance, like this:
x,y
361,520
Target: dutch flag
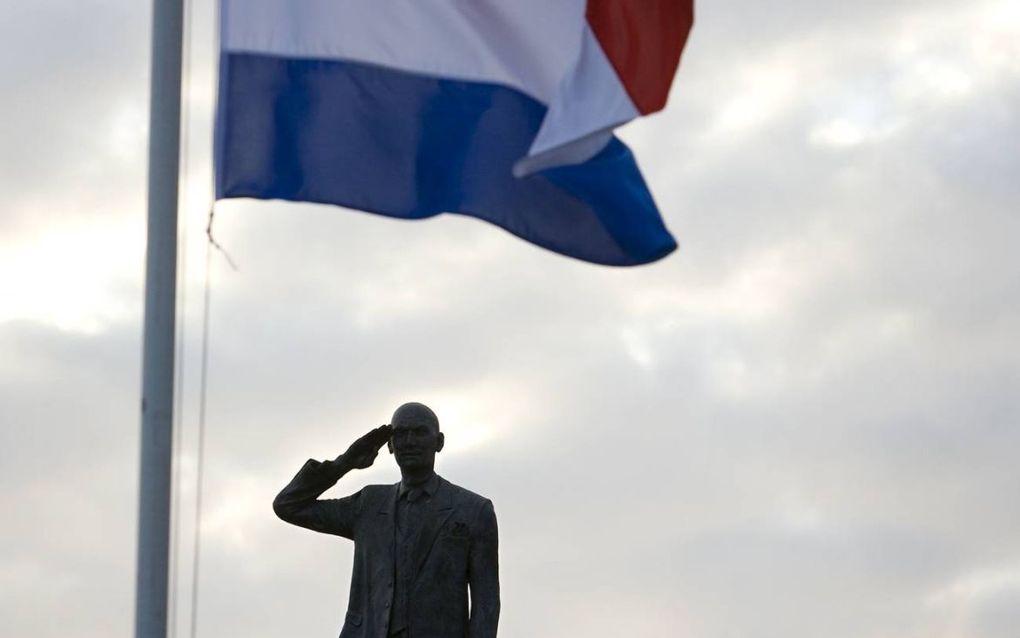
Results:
x,y
503,110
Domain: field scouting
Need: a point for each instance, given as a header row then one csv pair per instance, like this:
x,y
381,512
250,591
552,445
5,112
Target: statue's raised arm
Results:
x,y
298,503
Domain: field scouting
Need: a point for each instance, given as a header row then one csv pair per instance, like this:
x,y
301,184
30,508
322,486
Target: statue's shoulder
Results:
x,y
382,488
377,493
465,496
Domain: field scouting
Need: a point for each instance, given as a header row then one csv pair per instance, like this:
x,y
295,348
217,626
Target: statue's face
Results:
x,y
416,439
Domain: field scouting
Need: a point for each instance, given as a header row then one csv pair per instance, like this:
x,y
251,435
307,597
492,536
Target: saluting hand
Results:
x,y
361,454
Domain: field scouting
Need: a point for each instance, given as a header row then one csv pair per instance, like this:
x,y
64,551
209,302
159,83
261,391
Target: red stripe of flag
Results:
x,y
643,40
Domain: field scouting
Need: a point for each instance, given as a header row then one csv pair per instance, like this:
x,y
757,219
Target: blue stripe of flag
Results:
x,y
413,146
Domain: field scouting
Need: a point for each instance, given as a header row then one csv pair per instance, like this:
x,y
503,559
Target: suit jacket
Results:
x,y
455,555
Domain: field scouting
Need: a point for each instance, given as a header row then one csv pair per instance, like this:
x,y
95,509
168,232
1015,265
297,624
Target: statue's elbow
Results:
x,y
282,510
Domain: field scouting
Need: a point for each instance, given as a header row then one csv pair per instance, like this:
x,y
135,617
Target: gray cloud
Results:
x,y
76,77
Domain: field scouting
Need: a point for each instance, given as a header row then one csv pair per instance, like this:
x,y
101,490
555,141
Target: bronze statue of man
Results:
x,y
421,546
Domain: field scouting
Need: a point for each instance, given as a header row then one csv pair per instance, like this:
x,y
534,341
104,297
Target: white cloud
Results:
x,y
74,277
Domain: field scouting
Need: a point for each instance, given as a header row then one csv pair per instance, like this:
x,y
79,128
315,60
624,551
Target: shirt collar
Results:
x,y
429,487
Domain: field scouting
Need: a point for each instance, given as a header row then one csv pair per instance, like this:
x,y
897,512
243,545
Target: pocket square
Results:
x,y
459,530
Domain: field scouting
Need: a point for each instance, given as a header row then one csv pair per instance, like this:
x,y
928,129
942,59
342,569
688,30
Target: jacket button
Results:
x,y
387,604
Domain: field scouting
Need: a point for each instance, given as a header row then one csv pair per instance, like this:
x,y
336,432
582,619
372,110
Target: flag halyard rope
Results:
x,y
202,404
203,381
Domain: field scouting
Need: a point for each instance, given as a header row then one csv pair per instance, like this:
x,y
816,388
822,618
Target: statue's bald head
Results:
x,y
416,437
415,413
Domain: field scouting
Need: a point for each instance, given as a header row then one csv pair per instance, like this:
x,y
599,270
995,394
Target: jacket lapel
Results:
x,y
439,510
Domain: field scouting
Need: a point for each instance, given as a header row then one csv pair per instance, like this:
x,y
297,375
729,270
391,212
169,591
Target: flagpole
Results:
x,y
151,583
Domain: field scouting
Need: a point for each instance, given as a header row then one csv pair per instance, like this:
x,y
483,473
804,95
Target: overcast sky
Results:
x,y
803,423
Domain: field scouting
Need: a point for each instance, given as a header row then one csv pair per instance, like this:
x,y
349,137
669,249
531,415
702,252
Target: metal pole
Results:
x,y
151,582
